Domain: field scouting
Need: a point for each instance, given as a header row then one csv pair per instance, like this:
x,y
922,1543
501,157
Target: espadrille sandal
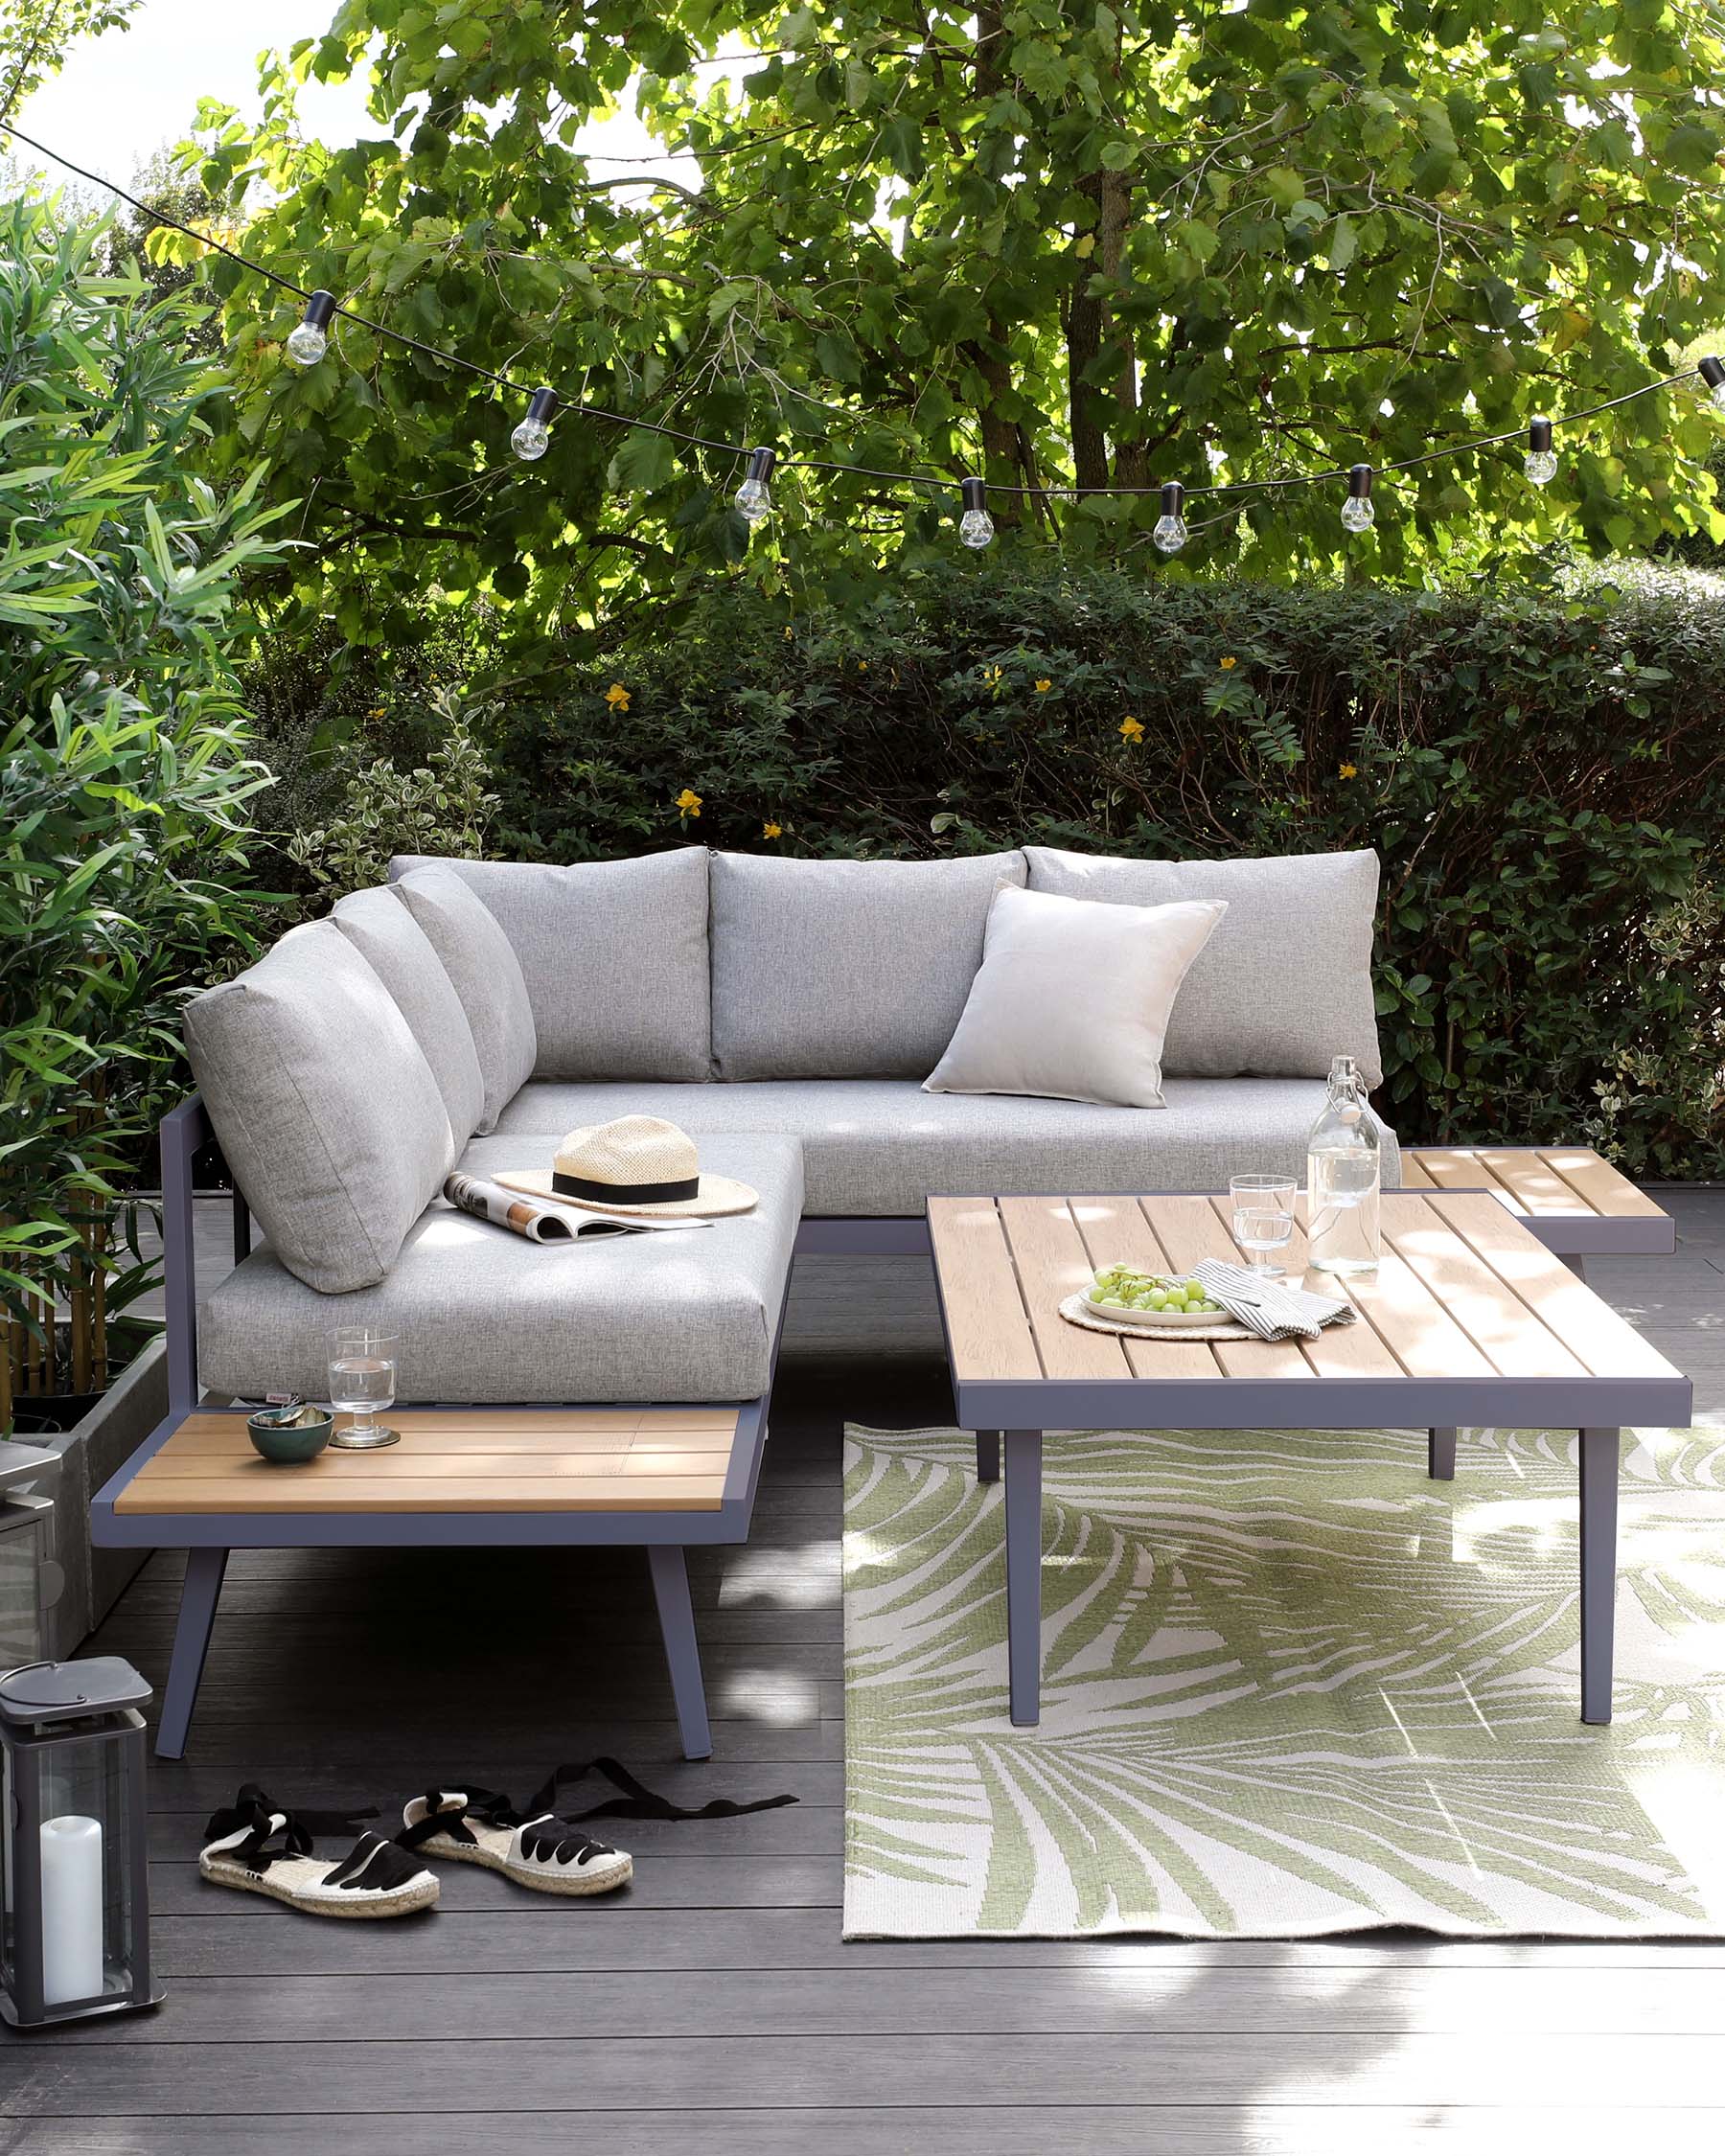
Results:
x,y
534,1844
262,1849
531,1846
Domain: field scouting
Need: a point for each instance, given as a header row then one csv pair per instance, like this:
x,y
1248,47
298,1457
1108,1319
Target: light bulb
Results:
x,y
308,344
754,497
1712,373
532,438
1357,513
1170,534
976,527
1540,463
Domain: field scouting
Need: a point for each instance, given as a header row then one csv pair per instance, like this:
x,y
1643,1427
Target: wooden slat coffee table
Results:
x,y
1468,1319
1572,1201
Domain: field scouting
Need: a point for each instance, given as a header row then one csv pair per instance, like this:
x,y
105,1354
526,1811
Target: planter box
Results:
x,y
89,1454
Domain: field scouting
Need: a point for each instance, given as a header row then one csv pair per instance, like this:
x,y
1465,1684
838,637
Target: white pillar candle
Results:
x,y
70,1909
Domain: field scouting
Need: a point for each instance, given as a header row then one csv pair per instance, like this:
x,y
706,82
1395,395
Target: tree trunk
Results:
x,y
1129,465
1084,347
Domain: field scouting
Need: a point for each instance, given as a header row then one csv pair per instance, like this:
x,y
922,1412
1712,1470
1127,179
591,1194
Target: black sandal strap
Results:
x,y
637,1800
448,1810
265,1820
375,1865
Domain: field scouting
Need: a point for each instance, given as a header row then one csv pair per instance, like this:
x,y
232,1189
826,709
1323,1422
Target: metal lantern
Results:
x,y
30,1580
74,1887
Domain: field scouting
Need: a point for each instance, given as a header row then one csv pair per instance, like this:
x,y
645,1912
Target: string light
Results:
x,y
754,497
976,526
532,438
1541,461
308,344
1170,534
1357,513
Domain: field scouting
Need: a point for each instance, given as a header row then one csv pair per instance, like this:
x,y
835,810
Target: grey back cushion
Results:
x,y
328,1112
486,975
615,958
845,969
1286,982
400,952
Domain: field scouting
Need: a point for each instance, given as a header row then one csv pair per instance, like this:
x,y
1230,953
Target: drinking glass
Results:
x,y
1258,1231
1264,1194
363,1379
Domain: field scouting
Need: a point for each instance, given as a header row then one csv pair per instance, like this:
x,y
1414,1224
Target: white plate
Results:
x,y
1156,1320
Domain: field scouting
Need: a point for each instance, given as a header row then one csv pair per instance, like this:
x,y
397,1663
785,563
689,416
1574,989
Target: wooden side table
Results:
x,y
1577,1204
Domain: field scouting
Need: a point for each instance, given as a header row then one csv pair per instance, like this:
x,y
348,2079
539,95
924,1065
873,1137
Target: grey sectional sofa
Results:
x,y
785,1012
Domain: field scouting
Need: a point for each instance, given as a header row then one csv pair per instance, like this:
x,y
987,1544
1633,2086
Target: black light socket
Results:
x,y
320,310
1539,435
973,494
1173,497
1359,482
1712,372
540,405
760,463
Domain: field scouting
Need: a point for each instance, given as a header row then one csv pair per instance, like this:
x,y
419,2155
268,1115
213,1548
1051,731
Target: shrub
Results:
x,y
124,770
1542,770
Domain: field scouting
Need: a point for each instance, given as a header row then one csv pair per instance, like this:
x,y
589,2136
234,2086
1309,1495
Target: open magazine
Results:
x,y
542,1220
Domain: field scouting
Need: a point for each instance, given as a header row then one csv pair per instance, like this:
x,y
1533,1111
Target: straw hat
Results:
x,y
639,1165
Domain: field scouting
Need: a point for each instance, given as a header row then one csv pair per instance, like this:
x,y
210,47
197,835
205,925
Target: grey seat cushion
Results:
x,y
1285,985
486,977
845,969
328,1112
615,955
879,1147
482,1315
400,952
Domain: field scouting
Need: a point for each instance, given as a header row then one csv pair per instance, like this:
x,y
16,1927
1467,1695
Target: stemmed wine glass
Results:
x,y
362,1381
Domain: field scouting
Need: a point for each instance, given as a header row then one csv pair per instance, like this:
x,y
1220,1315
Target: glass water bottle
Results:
x,y
1343,1178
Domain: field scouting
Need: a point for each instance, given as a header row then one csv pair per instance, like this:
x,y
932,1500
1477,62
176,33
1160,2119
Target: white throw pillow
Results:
x,y
1073,998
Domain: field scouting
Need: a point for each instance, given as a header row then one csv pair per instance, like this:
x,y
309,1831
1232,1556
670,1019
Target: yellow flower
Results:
x,y
618,697
689,802
991,675
1132,729
787,632
1350,770
772,831
1228,663
862,666
1043,686
378,711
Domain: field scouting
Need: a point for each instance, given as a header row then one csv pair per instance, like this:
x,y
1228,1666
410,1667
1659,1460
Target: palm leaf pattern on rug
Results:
x,y
1290,1686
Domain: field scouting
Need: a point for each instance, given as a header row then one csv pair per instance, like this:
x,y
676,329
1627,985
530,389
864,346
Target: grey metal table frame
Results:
x,y
207,1538
1010,1417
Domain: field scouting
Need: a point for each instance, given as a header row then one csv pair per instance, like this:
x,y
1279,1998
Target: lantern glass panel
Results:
x,y
23,1551
78,1811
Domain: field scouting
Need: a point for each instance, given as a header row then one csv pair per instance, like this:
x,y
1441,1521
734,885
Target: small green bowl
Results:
x,y
290,1444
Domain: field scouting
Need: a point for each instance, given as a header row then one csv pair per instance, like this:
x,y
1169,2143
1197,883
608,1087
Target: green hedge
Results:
x,y
1543,772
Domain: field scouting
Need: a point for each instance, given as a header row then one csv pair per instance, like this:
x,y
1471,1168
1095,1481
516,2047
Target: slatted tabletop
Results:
x,y
455,1461
1572,1201
1466,1309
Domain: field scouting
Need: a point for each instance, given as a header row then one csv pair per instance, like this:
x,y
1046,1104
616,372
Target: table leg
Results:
x,y
988,1455
1023,1574
1599,1450
682,1651
1440,1455
198,1597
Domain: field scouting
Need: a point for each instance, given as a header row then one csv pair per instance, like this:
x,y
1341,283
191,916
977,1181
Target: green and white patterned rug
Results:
x,y
1290,1686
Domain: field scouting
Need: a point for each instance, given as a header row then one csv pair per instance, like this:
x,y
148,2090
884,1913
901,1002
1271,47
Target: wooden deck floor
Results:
x,y
714,2007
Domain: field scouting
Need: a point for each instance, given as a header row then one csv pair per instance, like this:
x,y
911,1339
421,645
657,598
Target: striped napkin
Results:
x,y
1270,1308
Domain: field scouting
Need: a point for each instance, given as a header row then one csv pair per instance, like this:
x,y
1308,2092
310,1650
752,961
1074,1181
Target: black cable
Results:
x,y
940,482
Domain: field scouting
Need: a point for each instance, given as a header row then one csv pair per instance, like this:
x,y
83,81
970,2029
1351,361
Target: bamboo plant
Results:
x,y
125,777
